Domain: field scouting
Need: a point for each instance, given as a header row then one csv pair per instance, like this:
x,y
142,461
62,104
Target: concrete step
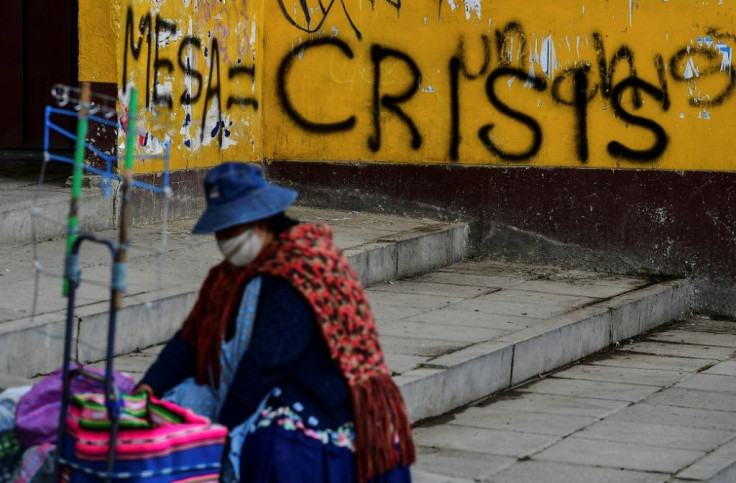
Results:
x,y
161,288
21,194
534,325
461,333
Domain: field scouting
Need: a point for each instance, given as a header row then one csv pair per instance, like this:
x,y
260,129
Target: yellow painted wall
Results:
x,y
99,24
192,62
459,81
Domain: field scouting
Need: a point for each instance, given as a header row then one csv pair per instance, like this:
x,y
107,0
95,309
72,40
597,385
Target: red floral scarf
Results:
x,y
305,256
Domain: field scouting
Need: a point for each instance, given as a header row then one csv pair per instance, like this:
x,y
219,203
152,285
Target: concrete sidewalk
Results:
x,y
161,288
662,409
457,334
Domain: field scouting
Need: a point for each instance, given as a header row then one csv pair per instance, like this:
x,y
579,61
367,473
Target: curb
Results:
x,y
95,214
32,347
475,372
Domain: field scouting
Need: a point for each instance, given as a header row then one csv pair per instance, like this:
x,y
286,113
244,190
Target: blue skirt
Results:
x,y
273,454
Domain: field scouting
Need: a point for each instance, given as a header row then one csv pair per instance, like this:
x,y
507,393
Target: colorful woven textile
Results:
x,y
37,414
157,441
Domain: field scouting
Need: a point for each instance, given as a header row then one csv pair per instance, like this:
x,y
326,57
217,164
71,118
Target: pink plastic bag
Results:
x,y
37,414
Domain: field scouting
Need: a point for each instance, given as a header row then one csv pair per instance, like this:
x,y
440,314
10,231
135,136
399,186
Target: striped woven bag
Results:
x,y
157,441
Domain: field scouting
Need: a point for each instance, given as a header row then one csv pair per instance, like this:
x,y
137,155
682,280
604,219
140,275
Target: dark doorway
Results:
x,y
39,49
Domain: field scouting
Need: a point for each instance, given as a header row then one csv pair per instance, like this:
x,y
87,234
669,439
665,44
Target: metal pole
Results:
x,y
72,275
119,288
82,126
118,279
112,398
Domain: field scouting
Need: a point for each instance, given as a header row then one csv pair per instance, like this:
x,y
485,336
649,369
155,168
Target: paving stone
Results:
x,y
631,375
492,281
662,435
386,313
461,464
400,363
725,368
420,476
697,338
551,472
690,398
702,323
718,466
490,267
587,452
473,317
419,301
595,289
518,309
446,331
552,404
650,361
711,382
585,277
677,416
480,440
414,286
492,418
419,346
679,350
591,389
537,298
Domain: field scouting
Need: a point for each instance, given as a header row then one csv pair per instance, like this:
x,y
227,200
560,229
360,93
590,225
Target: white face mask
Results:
x,y
242,249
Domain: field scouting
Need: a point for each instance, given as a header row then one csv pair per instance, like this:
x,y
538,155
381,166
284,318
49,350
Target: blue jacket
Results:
x,y
287,350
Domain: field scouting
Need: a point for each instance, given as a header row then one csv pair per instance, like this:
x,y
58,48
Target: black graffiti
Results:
x,y
662,78
575,87
458,65
282,78
187,98
236,71
484,133
581,97
607,71
714,68
618,150
302,17
159,63
391,102
505,40
213,90
306,25
144,29
151,30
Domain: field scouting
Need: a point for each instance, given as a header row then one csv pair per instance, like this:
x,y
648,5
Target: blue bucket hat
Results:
x,y
236,193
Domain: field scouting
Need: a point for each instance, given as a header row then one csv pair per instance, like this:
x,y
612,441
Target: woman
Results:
x,y
281,347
